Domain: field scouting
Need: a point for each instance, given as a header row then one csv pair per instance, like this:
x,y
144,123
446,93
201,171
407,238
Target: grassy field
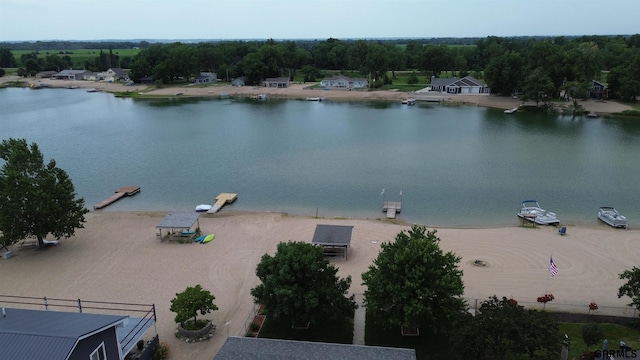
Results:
x,y
77,56
612,332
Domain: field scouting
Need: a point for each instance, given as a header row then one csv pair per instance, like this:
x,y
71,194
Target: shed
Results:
x,y
178,221
334,239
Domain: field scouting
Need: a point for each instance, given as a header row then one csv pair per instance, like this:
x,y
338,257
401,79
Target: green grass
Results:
x,y
614,333
78,57
332,332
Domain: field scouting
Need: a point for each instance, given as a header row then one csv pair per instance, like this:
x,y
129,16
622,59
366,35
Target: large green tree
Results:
x,y
632,287
300,285
413,283
35,199
504,329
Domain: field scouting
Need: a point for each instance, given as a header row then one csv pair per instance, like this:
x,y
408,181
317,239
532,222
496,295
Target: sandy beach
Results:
x,y
302,91
118,257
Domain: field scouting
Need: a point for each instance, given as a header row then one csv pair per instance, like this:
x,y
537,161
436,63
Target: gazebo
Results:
x,y
178,221
334,239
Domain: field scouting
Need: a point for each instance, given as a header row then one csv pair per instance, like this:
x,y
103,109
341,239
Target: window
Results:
x,y
99,353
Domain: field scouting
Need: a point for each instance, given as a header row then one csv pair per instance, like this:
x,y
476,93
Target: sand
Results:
x,y
302,91
117,257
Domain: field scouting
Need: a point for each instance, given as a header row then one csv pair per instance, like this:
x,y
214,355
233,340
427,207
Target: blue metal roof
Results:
x,y
39,334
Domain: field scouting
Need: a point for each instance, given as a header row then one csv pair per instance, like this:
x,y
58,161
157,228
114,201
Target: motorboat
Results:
x,y
261,97
318,98
531,211
511,111
409,101
611,217
203,207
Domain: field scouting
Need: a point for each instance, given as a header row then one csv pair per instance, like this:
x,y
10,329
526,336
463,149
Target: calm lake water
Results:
x,y
458,166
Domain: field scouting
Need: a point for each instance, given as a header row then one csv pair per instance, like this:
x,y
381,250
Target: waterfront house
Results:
x,y
598,90
46,74
71,74
343,82
239,81
206,78
454,85
280,82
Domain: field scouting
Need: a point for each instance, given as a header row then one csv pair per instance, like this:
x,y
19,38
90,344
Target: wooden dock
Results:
x,y
391,208
120,193
222,200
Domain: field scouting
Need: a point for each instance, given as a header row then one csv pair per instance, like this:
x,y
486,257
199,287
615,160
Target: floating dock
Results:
x,y
120,193
391,208
222,200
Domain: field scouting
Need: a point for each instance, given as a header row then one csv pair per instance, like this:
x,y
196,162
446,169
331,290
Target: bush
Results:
x,y
160,352
254,326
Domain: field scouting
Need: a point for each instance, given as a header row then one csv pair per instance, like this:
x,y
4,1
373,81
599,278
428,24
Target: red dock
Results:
x,y
120,193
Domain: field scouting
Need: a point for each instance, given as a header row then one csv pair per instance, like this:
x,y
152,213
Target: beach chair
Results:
x,y
562,230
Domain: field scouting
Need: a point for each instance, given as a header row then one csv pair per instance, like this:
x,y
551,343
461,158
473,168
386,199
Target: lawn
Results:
x,y
612,332
77,56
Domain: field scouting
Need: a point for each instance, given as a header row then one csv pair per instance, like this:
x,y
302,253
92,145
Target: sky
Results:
x,y
33,20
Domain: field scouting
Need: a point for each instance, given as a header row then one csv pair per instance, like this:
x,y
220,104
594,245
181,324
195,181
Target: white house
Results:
x,y
113,75
344,82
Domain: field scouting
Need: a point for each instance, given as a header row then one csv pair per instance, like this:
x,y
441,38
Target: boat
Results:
x,y
531,211
318,98
612,217
511,111
203,207
259,97
208,238
592,114
409,101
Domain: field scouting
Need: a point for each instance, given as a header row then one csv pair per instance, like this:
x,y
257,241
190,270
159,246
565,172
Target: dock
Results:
x,y
120,193
222,200
391,208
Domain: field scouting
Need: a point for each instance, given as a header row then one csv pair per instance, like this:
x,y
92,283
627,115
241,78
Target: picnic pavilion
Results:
x,y
334,239
179,221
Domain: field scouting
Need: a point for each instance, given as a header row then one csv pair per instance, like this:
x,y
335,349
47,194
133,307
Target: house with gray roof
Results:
x,y
343,82
280,82
249,348
72,74
58,335
206,78
454,85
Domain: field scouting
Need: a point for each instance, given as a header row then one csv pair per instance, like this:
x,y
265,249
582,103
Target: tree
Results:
x,y
190,302
502,328
35,199
300,285
632,287
538,87
7,60
592,334
412,283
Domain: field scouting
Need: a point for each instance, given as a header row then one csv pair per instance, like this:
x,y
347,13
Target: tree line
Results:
x,y
541,68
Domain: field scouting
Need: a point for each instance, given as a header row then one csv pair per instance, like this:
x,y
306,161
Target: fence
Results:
x,y
552,306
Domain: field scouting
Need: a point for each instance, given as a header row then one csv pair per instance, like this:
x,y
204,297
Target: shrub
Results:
x,y
160,352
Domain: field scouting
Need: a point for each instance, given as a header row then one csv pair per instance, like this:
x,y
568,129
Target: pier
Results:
x,y
391,208
120,193
222,200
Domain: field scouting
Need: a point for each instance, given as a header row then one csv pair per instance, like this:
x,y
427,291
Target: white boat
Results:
x,y
612,218
319,98
532,211
261,97
409,101
203,207
511,111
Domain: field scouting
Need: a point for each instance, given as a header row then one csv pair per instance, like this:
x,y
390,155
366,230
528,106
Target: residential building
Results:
x,y
344,82
280,82
454,85
206,78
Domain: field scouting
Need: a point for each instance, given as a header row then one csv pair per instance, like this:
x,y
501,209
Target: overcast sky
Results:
x,y
311,19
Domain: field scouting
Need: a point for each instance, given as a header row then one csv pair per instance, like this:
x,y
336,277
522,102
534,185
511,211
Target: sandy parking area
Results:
x,y
117,257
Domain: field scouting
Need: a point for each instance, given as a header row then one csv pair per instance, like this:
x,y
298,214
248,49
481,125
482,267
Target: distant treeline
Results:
x,y
539,68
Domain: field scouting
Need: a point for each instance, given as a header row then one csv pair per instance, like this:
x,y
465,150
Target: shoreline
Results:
x,y
301,92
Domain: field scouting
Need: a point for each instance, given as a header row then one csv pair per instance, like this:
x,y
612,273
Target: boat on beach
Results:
x,y
511,111
531,211
612,217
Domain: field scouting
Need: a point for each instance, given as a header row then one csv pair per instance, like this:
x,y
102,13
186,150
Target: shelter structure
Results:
x,y
180,221
334,239
268,349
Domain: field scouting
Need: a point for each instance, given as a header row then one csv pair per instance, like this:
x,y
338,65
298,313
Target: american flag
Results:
x,y
553,269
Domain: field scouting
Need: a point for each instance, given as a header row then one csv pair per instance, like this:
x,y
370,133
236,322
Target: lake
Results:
x,y
456,166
